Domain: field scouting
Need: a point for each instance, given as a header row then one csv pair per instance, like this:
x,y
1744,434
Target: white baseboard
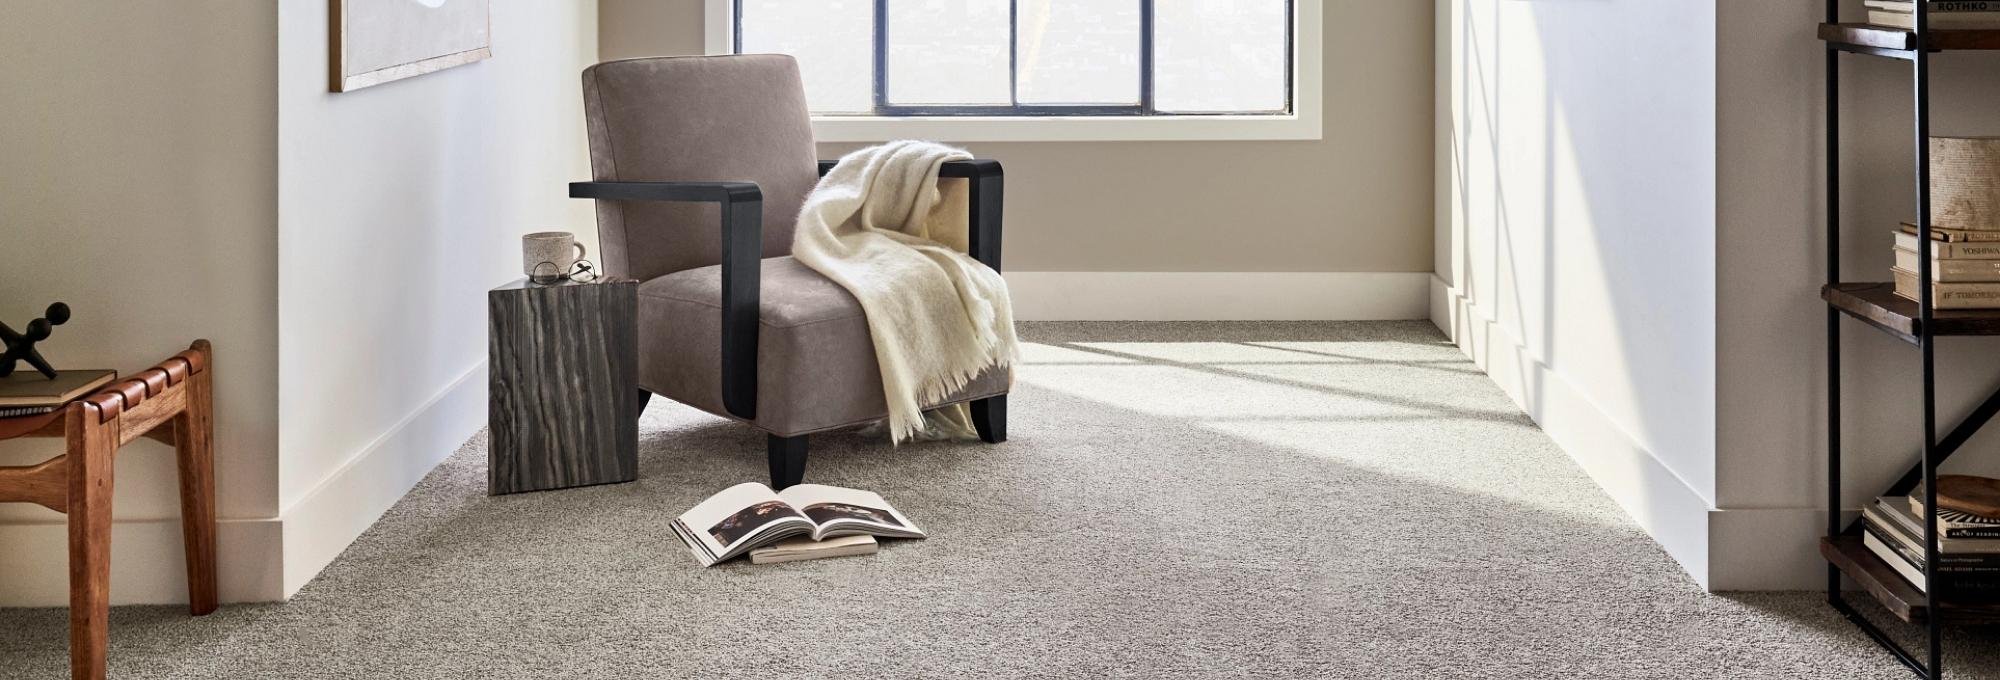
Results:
x,y
258,560
1675,514
148,564
1219,296
1441,297
328,519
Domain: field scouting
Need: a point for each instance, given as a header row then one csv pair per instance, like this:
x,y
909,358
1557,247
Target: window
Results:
x,y
979,70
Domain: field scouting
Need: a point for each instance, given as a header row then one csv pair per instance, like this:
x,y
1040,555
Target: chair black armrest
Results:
x,y
989,184
689,192
742,269
976,168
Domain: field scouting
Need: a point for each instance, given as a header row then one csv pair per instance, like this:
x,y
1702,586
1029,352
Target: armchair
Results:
x,y
700,165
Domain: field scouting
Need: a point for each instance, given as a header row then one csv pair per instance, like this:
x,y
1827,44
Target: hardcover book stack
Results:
x,y
1965,225
1965,267
28,393
1943,14
1968,546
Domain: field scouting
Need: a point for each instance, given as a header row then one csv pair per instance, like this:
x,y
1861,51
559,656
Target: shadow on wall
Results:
x,y
1583,201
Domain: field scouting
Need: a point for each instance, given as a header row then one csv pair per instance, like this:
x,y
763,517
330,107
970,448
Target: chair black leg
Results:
x,y
989,416
788,460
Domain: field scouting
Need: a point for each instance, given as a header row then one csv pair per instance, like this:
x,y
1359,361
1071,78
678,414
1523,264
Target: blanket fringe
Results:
x,y
934,391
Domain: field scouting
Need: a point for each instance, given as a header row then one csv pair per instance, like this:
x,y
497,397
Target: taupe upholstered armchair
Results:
x,y
701,165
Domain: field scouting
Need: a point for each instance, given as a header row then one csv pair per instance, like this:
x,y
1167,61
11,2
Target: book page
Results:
x,y
738,518
841,512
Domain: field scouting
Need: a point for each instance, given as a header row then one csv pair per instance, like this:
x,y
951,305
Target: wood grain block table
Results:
x,y
563,383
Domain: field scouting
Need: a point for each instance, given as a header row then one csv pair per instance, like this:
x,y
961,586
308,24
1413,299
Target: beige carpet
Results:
x,y
1338,500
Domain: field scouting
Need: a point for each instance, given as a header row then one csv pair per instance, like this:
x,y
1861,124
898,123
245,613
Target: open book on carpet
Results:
x,y
747,516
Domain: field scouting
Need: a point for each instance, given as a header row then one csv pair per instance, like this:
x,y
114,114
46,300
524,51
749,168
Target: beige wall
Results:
x,y
336,247
1770,252
1358,200
138,183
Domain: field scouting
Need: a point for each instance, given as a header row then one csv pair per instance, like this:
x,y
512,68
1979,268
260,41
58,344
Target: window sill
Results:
x,y
1065,128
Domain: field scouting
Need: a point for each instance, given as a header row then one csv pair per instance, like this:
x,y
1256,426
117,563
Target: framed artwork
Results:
x,y
377,41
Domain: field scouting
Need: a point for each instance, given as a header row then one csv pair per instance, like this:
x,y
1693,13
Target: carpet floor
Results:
x,y
1271,500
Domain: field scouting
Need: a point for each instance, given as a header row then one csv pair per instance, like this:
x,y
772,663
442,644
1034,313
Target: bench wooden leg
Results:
x,y
194,447
91,448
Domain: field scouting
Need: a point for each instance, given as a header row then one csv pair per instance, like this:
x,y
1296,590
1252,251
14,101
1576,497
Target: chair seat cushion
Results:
x,y
816,366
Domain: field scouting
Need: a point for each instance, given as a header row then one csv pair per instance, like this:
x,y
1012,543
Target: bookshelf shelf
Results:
x,y
1920,324
1899,43
1878,305
1901,599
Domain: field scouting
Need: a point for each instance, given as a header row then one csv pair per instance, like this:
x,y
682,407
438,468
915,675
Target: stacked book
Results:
x,y
1968,545
1943,14
28,393
1965,267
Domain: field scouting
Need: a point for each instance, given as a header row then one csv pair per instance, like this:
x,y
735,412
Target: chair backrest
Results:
x,y
738,118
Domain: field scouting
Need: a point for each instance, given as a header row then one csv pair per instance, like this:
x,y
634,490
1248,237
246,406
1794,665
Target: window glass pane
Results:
x,y
1079,51
1219,55
834,41
949,52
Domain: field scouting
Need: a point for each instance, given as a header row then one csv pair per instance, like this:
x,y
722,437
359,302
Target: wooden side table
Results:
x,y
171,403
562,373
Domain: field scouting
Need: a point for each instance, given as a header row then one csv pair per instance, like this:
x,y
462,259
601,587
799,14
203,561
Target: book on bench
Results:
x,y
27,393
748,516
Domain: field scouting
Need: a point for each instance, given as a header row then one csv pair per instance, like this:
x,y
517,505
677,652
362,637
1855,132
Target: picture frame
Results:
x,y
379,41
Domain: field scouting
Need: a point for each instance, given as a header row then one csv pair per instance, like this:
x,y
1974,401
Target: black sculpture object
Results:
x,y
21,346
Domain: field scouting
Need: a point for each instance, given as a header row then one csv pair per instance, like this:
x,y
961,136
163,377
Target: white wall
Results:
x,y
1631,239
1578,235
1770,253
398,207
138,183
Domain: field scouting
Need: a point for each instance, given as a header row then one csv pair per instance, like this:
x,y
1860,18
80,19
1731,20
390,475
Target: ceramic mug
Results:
x,y
550,253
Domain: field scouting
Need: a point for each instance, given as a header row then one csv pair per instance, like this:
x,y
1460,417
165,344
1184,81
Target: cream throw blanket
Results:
x,y
882,226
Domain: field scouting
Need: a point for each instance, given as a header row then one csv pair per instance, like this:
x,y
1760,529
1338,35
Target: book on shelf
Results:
x,y
796,549
1947,21
1942,249
748,516
1909,6
27,389
1950,235
1892,517
1971,575
1980,586
1951,271
1953,523
1912,550
1959,295
1892,558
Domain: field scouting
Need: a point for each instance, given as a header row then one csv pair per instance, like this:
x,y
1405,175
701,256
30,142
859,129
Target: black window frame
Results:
x,y
1145,107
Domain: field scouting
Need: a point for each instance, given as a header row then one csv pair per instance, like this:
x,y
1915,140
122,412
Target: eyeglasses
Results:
x,y
583,272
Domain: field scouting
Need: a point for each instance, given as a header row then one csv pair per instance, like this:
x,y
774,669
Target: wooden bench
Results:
x,y
171,403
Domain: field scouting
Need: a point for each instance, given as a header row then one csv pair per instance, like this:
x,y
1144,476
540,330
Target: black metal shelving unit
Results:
x,y
1918,323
